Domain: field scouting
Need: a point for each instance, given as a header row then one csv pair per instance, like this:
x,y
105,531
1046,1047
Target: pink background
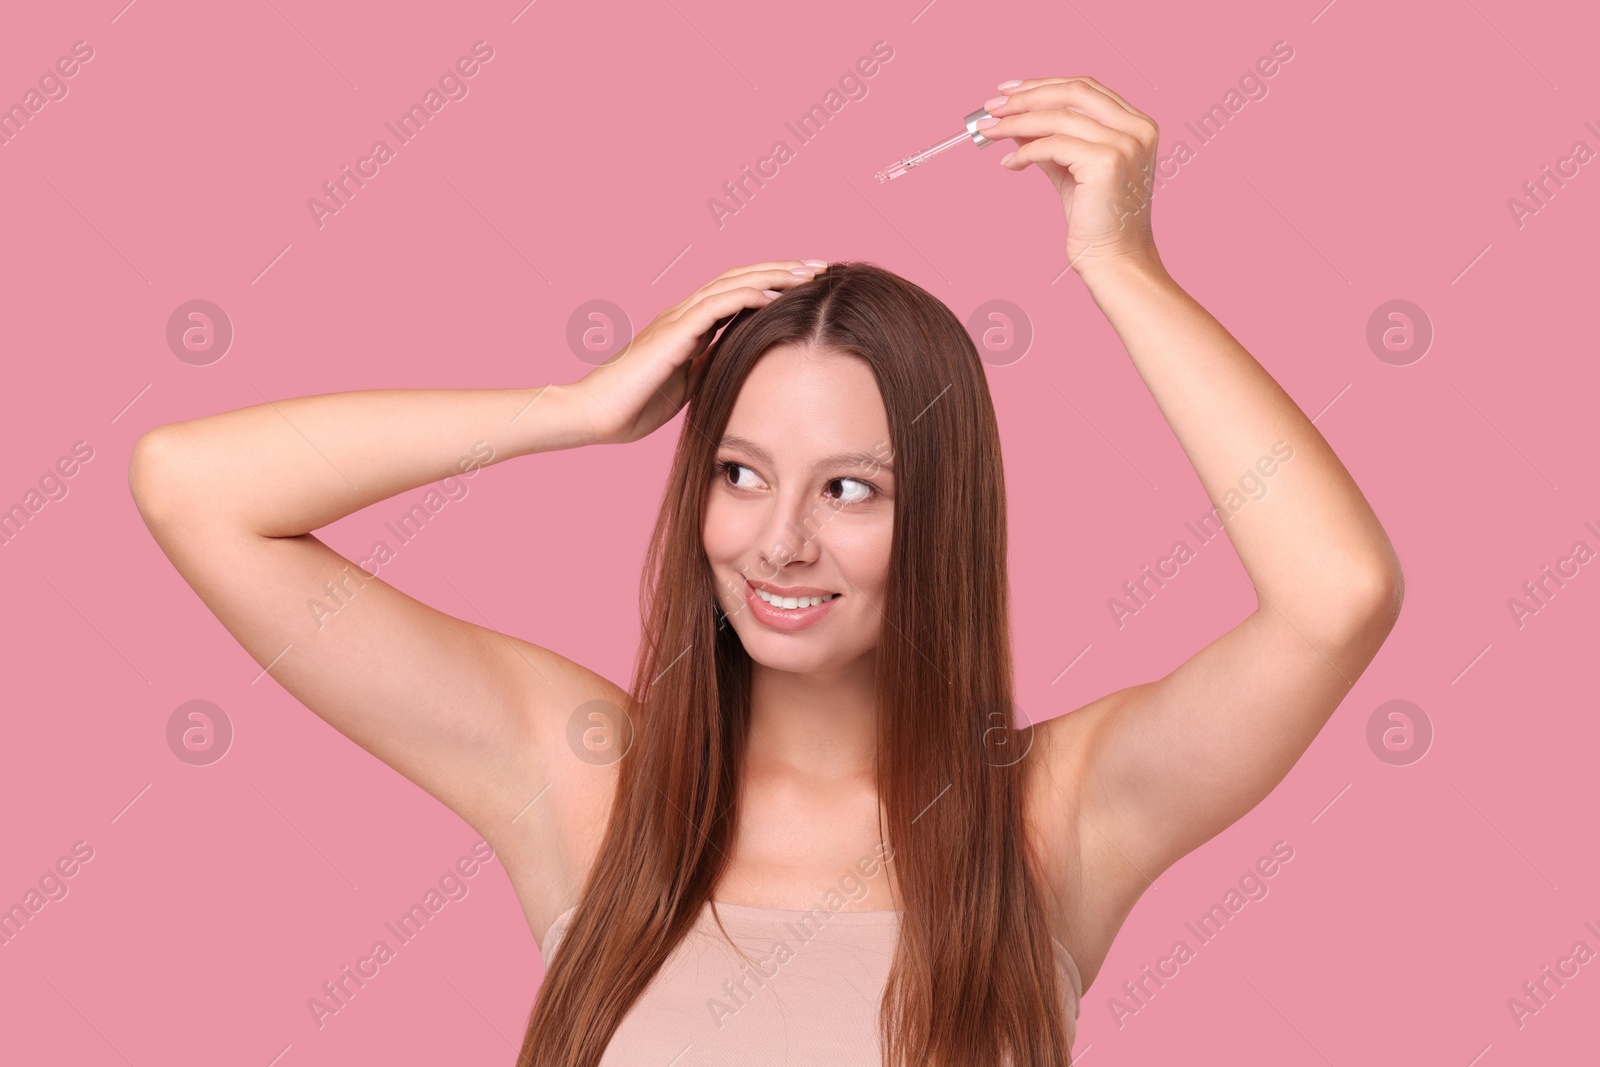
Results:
x,y
1377,167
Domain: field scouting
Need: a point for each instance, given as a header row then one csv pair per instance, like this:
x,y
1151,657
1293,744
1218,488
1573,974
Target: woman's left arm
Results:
x,y
1163,766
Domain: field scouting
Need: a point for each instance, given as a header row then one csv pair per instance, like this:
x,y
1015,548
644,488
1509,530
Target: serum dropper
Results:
x,y
906,165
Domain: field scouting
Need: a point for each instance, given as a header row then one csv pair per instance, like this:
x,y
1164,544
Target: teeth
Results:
x,y
793,601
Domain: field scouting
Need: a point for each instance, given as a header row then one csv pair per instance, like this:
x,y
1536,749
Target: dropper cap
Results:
x,y
972,121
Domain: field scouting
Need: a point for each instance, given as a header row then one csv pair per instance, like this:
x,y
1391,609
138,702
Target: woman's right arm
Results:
x,y
472,716
475,717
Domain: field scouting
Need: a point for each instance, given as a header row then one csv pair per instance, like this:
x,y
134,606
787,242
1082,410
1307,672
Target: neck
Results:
x,y
820,725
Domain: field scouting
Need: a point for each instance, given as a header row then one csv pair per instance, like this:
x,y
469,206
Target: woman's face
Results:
x,y
785,510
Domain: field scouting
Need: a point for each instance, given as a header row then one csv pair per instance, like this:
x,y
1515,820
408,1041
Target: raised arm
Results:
x,y
459,709
476,718
1173,762
1159,768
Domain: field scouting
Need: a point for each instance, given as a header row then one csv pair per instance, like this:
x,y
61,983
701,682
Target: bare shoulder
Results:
x,y
547,838
1092,887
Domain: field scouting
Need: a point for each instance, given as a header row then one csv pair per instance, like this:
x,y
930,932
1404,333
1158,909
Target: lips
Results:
x,y
789,619
792,590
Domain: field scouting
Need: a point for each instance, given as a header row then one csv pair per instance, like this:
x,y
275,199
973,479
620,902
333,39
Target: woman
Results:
x,y
839,772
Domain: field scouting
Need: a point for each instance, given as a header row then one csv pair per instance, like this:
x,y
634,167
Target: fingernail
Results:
x,y
1006,158
995,103
806,271
772,292
815,262
988,123
1012,84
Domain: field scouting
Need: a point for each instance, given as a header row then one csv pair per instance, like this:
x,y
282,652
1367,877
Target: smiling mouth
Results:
x,y
791,603
771,610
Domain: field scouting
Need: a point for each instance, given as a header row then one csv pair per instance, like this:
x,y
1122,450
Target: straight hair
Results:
x,y
973,979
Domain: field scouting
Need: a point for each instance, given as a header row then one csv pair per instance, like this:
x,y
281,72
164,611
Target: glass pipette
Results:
x,y
906,165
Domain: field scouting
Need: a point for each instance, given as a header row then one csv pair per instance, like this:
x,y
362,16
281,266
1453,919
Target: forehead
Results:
x,y
800,402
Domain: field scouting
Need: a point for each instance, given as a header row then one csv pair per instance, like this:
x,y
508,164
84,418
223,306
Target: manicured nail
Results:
x,y
1006,158
995,103
804,271
1012,84
815,262
772,292
988,123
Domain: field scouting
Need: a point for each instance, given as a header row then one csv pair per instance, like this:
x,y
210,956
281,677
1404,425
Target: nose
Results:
x,y
791,534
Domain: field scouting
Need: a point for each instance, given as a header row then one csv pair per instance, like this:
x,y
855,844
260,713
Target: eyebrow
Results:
x,y
864,459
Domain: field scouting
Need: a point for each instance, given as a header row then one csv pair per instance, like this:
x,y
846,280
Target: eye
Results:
x,y
864,497
725,467
864,492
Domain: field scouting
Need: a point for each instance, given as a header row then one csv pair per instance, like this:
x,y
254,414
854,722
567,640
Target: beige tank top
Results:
x,y
808,994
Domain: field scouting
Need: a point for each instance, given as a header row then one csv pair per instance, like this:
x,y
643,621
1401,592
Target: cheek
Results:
x,y
862,552
722,553
728,535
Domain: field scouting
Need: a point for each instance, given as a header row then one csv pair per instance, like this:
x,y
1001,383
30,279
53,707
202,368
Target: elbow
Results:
x,y
1395,593
1373,598
1371,585
1385,584
150,473
1355,606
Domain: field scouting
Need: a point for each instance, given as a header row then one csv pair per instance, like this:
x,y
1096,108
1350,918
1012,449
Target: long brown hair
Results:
x,y
973,979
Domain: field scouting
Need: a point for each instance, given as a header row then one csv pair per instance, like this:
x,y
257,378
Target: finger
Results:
x,y
697,371
702,344
758,278
705,315
1031,125
1114,95
1074,153
770,265
778,277
1032,82
1082,96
